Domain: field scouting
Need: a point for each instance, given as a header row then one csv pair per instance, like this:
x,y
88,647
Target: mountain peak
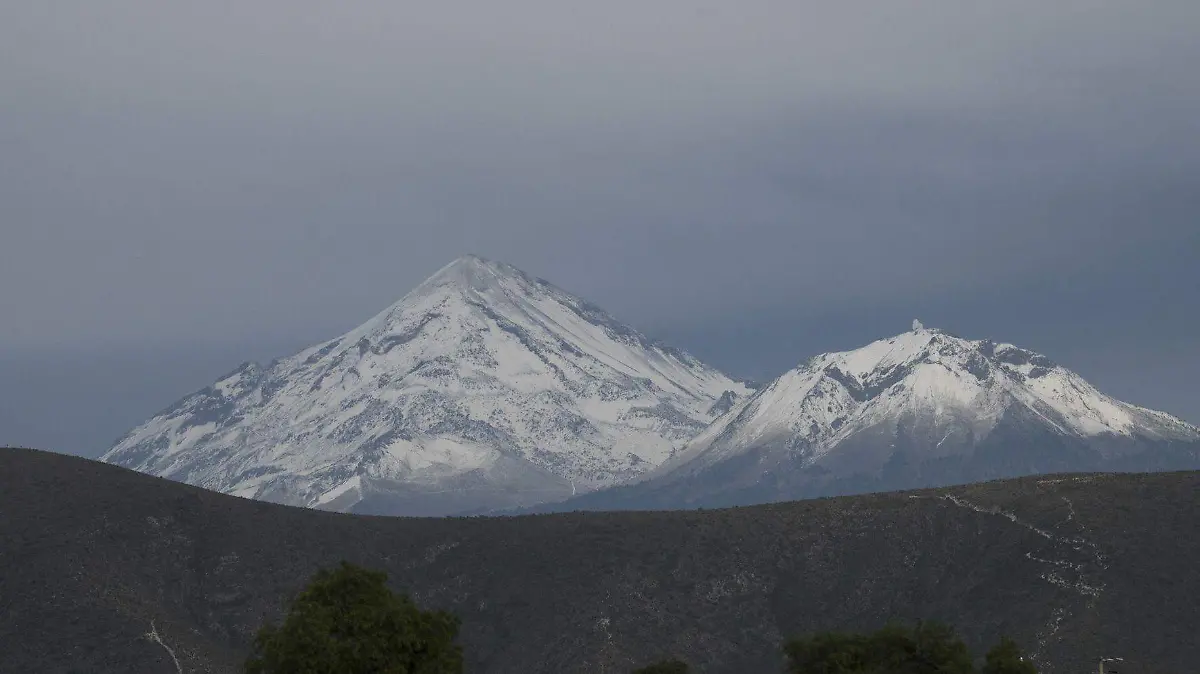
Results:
x,y
473,272
921,408
900,349
920,328
484,387
473,261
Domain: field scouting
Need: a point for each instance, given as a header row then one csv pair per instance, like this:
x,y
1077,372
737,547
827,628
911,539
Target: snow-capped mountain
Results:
x,y
923,408
482,388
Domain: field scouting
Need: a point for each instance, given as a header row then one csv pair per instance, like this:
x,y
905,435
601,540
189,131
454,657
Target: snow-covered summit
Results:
x,y
922,407
482,387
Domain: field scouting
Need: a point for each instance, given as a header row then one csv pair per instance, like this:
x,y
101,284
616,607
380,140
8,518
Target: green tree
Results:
x,y
347,621
664,667
1006,658
938,650
830,653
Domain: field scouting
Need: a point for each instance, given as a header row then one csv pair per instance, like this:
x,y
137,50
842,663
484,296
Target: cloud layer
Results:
x,y
815,173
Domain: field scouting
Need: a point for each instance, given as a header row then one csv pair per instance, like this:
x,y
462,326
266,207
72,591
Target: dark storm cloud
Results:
x,y
794,175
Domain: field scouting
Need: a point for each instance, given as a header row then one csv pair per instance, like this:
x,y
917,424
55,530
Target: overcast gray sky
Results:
x,y
184,186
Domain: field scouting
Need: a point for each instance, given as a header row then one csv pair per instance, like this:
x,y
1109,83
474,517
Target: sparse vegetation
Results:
x,y
347,621
928,648
116,554
664,667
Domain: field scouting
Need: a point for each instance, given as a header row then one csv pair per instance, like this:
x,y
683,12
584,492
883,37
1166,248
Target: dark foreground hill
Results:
x,y
1074,567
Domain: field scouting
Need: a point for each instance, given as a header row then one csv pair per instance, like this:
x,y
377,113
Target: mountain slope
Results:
x,y
1071,567
483,387
920,409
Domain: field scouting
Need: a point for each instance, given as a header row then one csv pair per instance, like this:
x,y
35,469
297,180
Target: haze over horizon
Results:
x,y
186,188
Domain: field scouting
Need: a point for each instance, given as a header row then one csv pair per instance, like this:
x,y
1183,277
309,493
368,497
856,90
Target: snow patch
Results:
x,y
353,483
